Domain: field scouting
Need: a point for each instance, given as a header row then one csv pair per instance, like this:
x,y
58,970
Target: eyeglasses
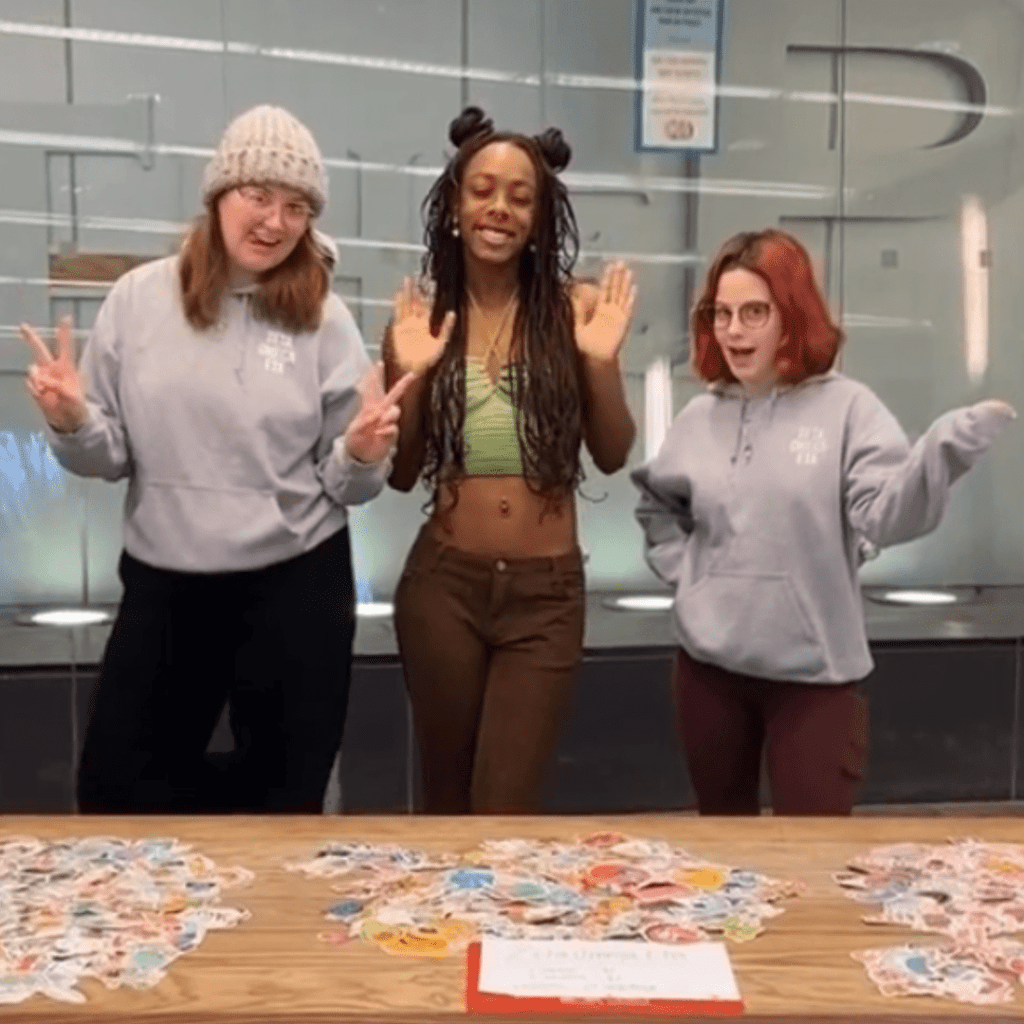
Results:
x,y
752,314
262,199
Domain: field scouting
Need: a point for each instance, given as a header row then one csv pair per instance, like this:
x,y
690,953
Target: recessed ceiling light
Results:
x,y
920,597
374,609
642,602
70,617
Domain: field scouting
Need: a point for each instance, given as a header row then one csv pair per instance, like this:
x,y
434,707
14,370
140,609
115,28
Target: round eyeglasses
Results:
x,y
752,314
262,199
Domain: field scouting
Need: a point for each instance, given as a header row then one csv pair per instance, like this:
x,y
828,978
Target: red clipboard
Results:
x,y
546,1006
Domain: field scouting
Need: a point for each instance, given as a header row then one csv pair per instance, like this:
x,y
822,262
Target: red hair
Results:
x,y
811,339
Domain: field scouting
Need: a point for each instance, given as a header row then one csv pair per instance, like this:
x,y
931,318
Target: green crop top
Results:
x,y
491,441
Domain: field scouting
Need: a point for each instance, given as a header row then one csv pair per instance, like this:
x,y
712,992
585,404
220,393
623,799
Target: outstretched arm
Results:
x,y
894,492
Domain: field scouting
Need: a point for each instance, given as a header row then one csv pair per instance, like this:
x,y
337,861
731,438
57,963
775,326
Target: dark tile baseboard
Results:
x,y
945,722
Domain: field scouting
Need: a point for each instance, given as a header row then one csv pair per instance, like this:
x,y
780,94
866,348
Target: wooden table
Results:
x,y
273,968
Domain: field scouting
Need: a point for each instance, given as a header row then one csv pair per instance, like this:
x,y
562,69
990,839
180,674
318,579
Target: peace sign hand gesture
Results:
x,y
374,431
415,348
601,336
53,381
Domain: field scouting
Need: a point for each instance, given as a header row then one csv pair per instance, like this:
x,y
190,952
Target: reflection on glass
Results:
x,y
657,405
847,160
974,258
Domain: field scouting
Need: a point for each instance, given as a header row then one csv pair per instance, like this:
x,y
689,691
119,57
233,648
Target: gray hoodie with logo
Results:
x,y
231,438
759,513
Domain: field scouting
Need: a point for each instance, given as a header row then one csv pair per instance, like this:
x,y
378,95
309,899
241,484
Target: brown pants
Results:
x,y
813,736
491,650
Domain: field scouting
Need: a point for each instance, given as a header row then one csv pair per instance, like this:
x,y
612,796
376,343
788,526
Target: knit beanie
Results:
x,y
267,144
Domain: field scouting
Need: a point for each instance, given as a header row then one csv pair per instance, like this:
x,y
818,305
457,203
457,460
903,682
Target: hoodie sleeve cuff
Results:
x,y
350,482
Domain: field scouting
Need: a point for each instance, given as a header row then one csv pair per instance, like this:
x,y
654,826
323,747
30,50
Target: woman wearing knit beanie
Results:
x,y
518,365
232,391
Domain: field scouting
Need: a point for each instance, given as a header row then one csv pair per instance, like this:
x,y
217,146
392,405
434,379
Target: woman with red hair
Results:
x,y
770,489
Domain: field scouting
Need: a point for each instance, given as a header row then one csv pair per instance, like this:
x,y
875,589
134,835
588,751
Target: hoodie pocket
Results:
x,y
209,529
751,623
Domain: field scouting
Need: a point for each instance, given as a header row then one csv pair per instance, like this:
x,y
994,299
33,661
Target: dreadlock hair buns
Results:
x,y
556,151
470,123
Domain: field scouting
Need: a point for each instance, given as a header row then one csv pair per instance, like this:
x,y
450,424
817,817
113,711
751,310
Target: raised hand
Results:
x,y
374,431
415,348
601,334
53,381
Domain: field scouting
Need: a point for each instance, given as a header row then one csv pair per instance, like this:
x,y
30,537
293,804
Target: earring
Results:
x,y
532,247
455,231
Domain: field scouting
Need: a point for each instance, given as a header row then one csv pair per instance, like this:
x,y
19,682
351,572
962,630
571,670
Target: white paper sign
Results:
x,y
573,969
679,99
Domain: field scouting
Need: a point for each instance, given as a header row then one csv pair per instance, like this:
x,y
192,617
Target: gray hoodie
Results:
x,y
759,513
231,438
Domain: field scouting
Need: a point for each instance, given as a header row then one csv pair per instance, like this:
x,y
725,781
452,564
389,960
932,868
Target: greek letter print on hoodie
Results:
x,y
231,439
758,514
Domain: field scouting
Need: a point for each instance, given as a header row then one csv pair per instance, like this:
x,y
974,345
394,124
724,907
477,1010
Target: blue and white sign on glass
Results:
x,y
678,58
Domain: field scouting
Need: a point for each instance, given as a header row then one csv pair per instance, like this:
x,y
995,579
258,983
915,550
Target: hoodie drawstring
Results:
x,y
243,335
740,431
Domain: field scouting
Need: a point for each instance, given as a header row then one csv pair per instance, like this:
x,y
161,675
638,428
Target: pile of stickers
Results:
x,y
969,891
112,909
607,886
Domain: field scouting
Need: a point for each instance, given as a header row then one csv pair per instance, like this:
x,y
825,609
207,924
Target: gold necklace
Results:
x,y
493,344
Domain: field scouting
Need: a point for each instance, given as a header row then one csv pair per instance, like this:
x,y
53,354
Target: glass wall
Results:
x,y
885,135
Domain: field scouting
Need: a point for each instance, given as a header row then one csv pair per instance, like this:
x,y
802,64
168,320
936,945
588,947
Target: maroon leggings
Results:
x,y
813,737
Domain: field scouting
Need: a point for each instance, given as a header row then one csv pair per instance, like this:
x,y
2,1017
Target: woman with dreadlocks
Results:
x,y
517,364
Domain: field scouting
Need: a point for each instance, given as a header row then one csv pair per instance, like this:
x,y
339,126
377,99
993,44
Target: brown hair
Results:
x,y
290,295
812,339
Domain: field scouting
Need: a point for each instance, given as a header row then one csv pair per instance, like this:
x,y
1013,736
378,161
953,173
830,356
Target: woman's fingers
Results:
x,y
397,392
415,298
46,380
68,390
380,418
623,285
66,340
379,410
34,342
399,304
47,397
409,301
447,326
406,300
615,284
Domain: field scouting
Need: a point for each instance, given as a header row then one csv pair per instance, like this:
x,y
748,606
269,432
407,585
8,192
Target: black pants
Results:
x,y
275,642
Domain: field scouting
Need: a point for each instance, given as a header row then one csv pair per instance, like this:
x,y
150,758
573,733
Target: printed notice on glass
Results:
x,y
678,58
574,970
